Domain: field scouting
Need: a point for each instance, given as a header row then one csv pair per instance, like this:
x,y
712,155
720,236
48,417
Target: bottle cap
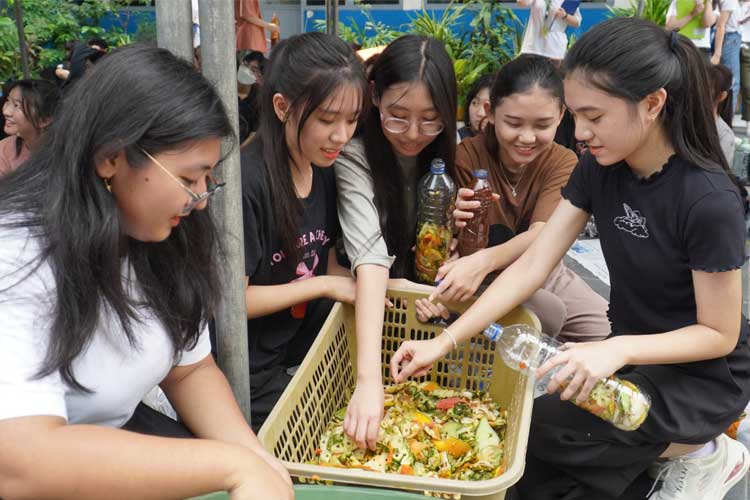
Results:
x,y
480,173
437,166
493,332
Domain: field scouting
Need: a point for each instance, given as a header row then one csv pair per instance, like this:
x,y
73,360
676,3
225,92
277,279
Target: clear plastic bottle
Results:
x,y
434,217
741,161
475,235
615,400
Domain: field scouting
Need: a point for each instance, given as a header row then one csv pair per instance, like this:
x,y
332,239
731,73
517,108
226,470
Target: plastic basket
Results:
x,y
307,492
324,379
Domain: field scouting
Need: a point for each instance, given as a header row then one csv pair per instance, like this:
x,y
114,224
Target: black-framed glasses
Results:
x,y
400,126
212,184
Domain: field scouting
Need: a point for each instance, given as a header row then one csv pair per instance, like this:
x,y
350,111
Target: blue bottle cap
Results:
x,y
480,173
493,332
437,166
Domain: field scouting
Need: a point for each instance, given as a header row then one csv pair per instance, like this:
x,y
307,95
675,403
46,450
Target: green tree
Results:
x,y
50,24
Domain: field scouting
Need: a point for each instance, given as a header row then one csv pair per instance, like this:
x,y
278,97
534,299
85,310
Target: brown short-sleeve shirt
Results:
x,y
538,188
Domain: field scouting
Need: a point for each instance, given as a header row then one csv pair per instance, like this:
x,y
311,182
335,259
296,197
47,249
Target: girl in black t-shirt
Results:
x,y
310,104
672,232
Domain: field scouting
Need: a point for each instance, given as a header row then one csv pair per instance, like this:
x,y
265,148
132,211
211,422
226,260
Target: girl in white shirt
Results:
x,y
109,273
545,32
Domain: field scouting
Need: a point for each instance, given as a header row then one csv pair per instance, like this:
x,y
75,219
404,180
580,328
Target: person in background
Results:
x,y
256,62
727,41
250,27
27,112
703,9
720,79
745,64
475,118
545,33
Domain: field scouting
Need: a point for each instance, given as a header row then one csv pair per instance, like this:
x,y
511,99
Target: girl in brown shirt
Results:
x,y
527,169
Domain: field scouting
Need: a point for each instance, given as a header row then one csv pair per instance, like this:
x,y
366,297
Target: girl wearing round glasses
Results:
x,y
108,276
310,105
413,121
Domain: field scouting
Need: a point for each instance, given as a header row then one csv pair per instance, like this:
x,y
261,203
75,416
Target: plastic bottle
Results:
x,y
475,235
615,400
436,193
275,35
741,161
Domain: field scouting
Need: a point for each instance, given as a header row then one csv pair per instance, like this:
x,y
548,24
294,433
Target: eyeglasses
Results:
x,y
400,126
213,186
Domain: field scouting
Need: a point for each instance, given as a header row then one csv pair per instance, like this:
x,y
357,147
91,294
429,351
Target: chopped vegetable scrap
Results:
x,y
426,431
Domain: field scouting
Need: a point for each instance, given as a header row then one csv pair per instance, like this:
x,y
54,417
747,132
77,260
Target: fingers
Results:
x,y
495,197
561,378
373,425
583,394
454,244
464,194
396,360
361,434
388,303
575,384
423,312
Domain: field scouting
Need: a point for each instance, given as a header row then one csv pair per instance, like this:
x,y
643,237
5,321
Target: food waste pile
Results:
x,y
426,431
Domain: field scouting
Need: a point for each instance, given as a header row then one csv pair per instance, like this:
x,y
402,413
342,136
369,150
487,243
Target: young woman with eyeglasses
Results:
x,y
108,276
311,101
528,170
413,121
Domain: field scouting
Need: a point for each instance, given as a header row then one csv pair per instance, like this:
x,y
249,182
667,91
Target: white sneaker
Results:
x,y
704,478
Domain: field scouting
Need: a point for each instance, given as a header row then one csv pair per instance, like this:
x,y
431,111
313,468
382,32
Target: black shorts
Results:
x,y
575,455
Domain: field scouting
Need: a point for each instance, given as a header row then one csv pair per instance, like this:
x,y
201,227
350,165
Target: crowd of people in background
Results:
x,y
109,260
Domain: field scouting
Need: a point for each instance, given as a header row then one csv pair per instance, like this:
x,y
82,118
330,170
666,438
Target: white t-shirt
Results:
x,y
704,42
733,6
555,43
119,374
745,28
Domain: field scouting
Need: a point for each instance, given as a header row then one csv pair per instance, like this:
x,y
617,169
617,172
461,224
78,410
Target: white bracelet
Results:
x,y
450,336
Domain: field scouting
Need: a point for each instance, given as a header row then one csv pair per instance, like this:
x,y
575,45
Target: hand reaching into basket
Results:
x,y
415,358
364,414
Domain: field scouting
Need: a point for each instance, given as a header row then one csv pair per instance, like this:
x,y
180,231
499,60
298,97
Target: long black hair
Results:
x,y
410,58
631,58
39,100
306,69
720,78
516,77
137,98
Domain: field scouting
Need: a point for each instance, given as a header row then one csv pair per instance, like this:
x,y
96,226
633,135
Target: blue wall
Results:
x,y
398,19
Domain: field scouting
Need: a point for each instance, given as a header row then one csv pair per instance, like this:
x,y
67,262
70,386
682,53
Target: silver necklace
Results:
x,y
512,187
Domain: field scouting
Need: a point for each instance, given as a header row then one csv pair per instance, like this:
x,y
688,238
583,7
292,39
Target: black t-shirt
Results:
x,y
654,232
266,263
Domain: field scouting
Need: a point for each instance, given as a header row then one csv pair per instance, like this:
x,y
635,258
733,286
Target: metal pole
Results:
x,y
18,12
174,27
332,17
219,66
639,8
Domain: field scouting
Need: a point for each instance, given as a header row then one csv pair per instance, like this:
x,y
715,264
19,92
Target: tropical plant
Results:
x,y
653,10
373,34
50,24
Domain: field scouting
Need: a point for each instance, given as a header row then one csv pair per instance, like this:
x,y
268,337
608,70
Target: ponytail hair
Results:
x,y
631,58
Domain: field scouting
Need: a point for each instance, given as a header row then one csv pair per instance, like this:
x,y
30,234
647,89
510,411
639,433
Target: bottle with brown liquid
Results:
x,y
475,234
275,35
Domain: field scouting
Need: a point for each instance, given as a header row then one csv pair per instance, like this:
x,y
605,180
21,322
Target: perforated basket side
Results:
x,y
322,383
315,393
